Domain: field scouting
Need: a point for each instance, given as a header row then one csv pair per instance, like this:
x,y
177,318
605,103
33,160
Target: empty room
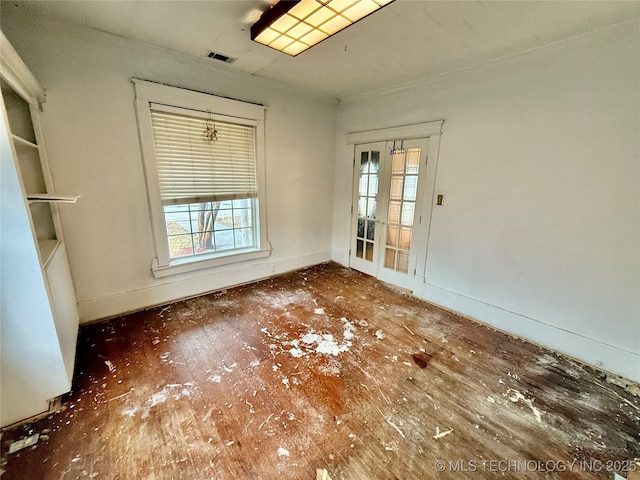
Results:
x,y
320,239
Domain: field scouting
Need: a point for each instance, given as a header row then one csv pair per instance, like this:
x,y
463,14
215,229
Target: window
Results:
x,y
205,227
207,178
203,160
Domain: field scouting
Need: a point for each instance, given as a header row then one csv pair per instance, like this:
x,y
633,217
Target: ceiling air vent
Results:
x,y
220,57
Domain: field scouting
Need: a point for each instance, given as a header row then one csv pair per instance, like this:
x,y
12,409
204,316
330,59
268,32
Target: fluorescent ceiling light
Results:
x,y
292,26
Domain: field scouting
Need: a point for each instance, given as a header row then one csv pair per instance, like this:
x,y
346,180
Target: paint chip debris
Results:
x,y
230,368
168,392
110,365
322,474
329,346
283,452
296,352
517,397
207,417
324,343
379,334
318,311
331,369
439,434
158,398
391,446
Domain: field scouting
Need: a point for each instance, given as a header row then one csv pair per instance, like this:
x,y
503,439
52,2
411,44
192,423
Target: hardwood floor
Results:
x,y
324,368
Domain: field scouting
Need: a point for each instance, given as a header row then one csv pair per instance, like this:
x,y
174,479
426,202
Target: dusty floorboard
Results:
x,y
324,368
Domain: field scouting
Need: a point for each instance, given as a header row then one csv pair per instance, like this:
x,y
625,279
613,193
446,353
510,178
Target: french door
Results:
x,y
388,186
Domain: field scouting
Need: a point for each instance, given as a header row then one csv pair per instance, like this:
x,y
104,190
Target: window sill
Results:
x,y
176,267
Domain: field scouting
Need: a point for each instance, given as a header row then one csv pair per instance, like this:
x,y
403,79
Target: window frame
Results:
x,y
146,93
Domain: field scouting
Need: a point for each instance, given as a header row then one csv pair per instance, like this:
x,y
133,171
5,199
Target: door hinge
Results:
x,y
349,251
420,221
415,270
352,209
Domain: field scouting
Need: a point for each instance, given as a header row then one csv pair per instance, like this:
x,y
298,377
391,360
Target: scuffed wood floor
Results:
x,y
324,368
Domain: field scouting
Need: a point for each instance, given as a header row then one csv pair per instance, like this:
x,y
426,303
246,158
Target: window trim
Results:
x,y
147,92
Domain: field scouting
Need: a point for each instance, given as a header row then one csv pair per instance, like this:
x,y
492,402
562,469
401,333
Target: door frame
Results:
x,y
432,131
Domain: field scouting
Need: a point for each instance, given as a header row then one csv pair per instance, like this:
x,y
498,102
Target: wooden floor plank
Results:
x,y
324,368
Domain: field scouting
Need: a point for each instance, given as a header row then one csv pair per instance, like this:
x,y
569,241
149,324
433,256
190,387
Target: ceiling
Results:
x,y
406,41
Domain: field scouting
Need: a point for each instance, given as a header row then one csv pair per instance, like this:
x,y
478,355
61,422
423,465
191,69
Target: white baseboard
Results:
x,y
192,285
600,355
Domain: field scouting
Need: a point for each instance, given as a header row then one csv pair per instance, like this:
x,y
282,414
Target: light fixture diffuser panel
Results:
x,y
293,26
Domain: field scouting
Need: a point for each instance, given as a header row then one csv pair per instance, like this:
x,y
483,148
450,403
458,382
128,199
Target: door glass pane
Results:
x,y
394,212
407,213
389,258
373,185
410,188
362,190
413,160
375,162
359,249
371,230
369,251
361,227
371,207
362,207
403,262
397,163
405,238
364,162
395,191
392,236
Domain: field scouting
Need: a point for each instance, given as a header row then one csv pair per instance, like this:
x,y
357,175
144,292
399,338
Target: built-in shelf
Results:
x,y
51,198
47,248
23,141
40,298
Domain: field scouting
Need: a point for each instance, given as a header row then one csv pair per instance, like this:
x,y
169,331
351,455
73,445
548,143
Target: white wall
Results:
x,y
539,233
91,134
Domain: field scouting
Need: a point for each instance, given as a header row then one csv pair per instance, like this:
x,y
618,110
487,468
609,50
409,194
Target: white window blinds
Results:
x,y
192,169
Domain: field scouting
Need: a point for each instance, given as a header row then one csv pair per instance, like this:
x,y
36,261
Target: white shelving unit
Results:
x,y
38,316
